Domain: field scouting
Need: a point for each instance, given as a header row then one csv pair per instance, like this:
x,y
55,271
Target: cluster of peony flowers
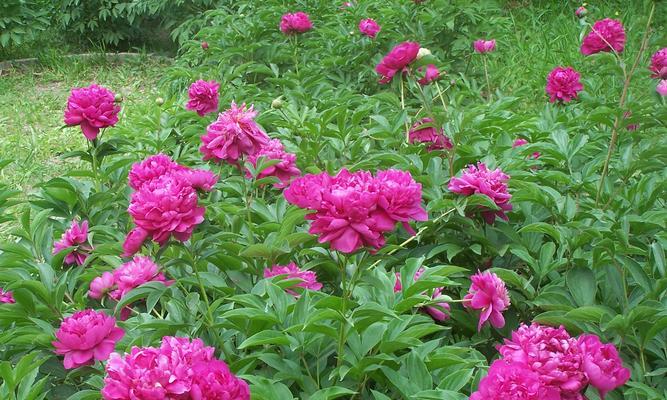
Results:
x,y
293,23
423,131
203,97
285,167
430,75
178,369
124,278
76,236
6,297
86,336
522,142
397,60
92,108
563,84
546,363
234,135
488,294
164,203
308,279
438,311
369,27
482,46
355,209
493,184
607,35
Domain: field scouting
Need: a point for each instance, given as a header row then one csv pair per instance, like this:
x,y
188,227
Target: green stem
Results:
x,y
343,323
295,45
93,154
407,128
486,75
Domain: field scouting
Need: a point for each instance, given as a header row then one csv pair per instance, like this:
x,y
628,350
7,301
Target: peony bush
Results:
x,y
337,202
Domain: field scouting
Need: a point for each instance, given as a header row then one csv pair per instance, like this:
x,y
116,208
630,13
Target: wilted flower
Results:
x,y
369,27
488,294
482,46
203,97
430,75
607,35
284,170
298,22
659,64
292,271
438,311
423,131
86,336
233,135
92,108
602,364
480,180
6,297
563,84
513,381
397,60
662,88
76,236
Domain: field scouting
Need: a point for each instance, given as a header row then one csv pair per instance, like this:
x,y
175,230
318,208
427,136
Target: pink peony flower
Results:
x,y
100,286
607,35
199,179
284,170
233,135
86,336
489,294
92,108
552,354
423,131
6,297
602,365
306,191
519,142
298,22
399,200
438,311
160,164
431,74
659,64
369,27
513,381
133,274
178,369
76,236
581,12
203,97
479,179
482,46
563,84
133,241
292,271
397,60
662,88
165,207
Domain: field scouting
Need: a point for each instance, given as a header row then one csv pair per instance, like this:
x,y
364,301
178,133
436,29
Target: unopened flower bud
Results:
x,y
159,101
423,52
118,98
277,104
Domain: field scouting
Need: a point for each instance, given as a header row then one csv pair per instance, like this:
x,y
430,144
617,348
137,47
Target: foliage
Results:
x,y
21,20
593,262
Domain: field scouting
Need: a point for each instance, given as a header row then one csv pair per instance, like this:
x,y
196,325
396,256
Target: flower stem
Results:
x,y
442,99
407,129
343,324
486,75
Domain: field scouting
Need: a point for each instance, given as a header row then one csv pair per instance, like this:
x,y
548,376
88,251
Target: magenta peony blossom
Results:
x,y
306,191
552,354
519,142
659,64
178,369
92,108
489,294
399,200
166,207
438,311
482,46
308,278
397,60
423,131
602,364
298,22
479,179
6,297
513,381
203,97
431,74
369,27
284,170
581,12
133,241
563,84
76,236
135,273
100,286
159,164
662,88
234,135
86,336
607,35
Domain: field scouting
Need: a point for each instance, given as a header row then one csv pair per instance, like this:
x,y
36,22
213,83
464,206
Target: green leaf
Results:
x,y
332,392
265,337
582,285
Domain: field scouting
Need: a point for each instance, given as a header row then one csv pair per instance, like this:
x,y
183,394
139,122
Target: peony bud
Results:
x,y
581,12
159,101
118,98
277,104
423,52
204,45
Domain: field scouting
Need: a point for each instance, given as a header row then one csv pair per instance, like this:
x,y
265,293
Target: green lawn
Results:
x,y
32,102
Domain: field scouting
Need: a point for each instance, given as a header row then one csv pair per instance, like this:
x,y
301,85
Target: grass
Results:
x,y
32,102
